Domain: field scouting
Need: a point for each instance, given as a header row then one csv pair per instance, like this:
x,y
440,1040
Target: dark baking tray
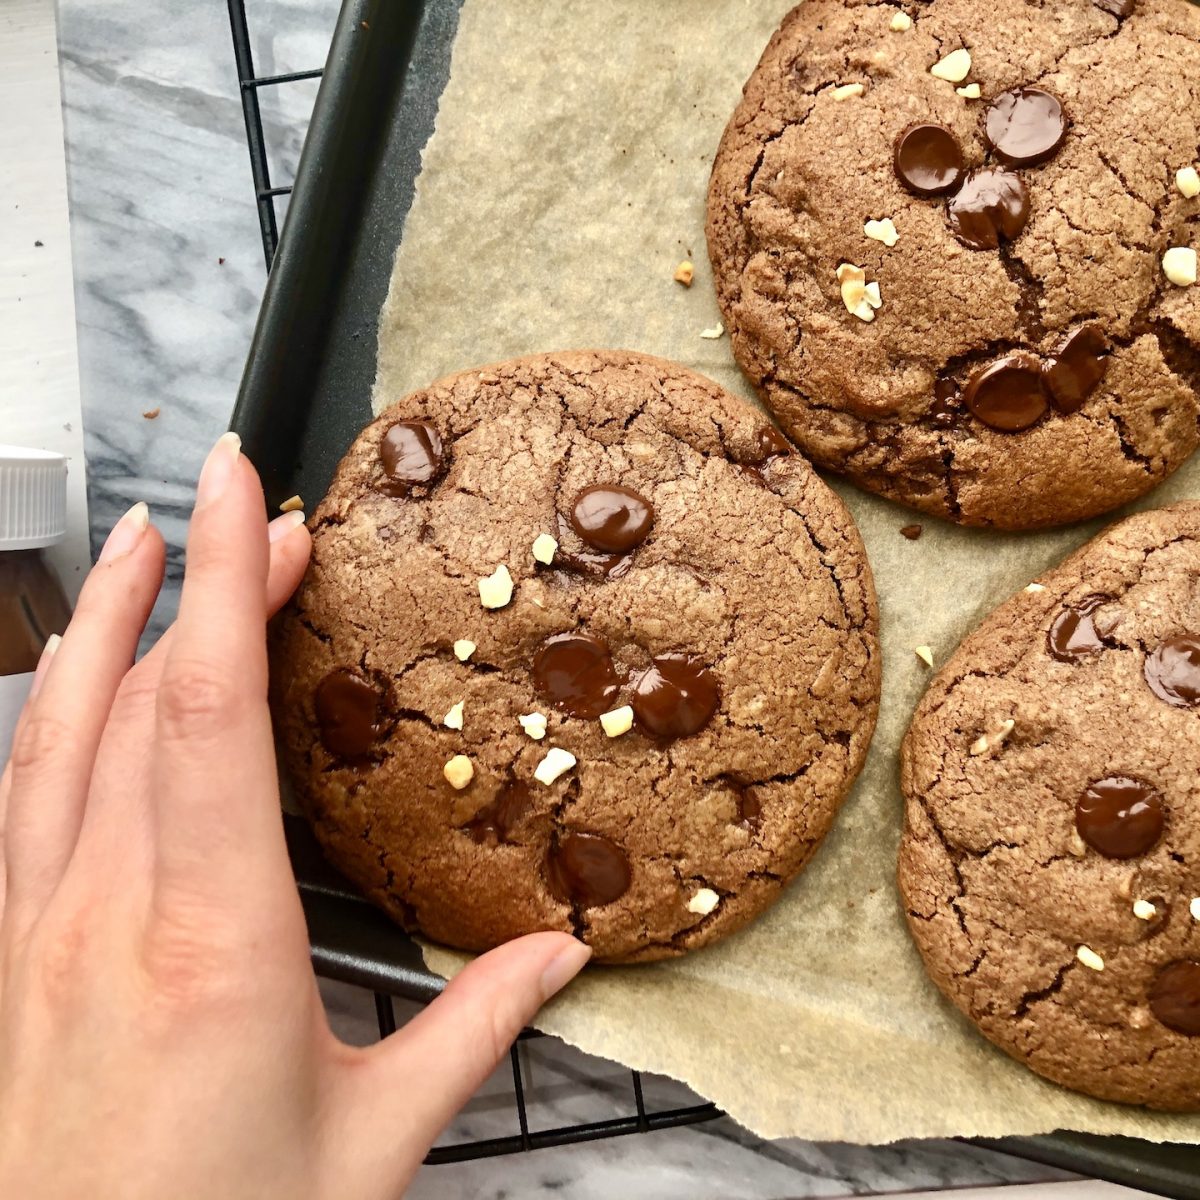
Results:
x,y
306,393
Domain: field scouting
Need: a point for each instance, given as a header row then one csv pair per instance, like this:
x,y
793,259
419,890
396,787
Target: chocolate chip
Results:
x,y
587,869
928,159
749,809
611,518
945,410
676,696
575,673
1117,8
1026,126
348,714
1078,364
494,823
1120,816
587,562
411,454
770,443
1008,395
990,206
1173,671
1073,636
912,532
1175,997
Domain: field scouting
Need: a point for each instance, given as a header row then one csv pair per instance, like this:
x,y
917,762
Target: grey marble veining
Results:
x,y
169,274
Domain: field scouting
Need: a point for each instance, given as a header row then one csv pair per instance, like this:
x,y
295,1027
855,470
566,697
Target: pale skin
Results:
x,y
160,1028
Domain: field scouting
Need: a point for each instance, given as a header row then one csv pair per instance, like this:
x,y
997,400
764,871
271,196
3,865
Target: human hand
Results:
x,y
161,1033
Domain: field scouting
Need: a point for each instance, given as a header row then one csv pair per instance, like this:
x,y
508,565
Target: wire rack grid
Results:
x,y
642,1119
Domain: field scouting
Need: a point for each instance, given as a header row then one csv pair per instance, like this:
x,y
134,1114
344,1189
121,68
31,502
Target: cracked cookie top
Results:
x,y
1050,865
954,244
584,646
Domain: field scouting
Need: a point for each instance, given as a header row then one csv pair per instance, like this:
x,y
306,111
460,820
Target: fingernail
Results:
x,y
126,533
218,468
563,967
52,644
282,526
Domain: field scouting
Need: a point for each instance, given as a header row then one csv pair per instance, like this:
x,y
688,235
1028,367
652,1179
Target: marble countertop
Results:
x,y
168,277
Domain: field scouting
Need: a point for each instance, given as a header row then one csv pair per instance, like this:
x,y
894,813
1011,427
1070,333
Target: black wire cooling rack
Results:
x,y
642,1119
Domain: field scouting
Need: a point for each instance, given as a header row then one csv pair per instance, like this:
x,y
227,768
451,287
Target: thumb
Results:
x,y
411,1084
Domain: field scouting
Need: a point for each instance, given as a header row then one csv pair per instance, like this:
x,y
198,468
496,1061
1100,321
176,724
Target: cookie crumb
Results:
x,y
292,504
912,532
496,589
971,92
151,414
901,23
882,231
993,741
1179,265
454,718
1187,180
1194,908
617,722
1089,958
557,762
848,91
459,771
534,724
685,273
715,332
925,654
463,649
544,547
703,902
1144,910
954,67
1034,588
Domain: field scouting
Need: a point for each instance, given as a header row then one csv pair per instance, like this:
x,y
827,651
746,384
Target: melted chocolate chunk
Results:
x,y
676,696
587,562
1079,363
411,454
348,714
945,411
1117,8
991,206
749,809
1026,126
1073,635
770,443
575,673
1119,816
1008,395
494,823
1173,671
586,870
1175,997
611,518
928,159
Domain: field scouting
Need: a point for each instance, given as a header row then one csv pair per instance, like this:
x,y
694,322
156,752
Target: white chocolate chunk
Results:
x,y
534,724
971,92
1034,588
557,762
703,902
454,718
874,299
901,22
882,231
1144,910
1077,846
848,91
1089,958
954,68
459,772
853,282
1194,908
463,649
715,332
617,722
1179,265
993,741
496,590
925,654
544,547
1187,180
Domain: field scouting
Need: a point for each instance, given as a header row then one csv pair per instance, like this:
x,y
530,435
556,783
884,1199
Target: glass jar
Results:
x,y
33,516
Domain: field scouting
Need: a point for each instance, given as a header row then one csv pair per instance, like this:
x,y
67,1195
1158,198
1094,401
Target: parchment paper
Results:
x,y
564,181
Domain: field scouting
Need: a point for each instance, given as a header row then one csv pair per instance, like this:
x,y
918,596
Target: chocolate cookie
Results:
x,y
1050,865
584,646
952,243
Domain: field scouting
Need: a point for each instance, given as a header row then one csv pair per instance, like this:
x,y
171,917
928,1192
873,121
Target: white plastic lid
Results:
x,y
33,498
